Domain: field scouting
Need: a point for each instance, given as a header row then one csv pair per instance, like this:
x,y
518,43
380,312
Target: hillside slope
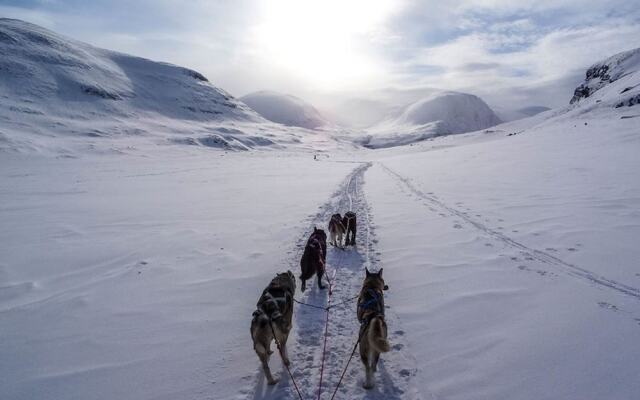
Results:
x,y
53,87
284,109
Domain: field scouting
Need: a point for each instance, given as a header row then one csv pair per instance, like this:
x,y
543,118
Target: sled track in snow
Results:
x,y
571,269
396,371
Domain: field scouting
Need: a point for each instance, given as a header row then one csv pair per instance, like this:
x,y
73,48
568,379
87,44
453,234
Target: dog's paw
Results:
x,y
367,385
273,381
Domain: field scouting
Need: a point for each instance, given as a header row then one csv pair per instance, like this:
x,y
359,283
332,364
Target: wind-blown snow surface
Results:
x,y
61,96
284,109
443,113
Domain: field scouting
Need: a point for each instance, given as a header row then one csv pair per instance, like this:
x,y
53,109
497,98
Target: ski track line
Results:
x,y
396,370
546,258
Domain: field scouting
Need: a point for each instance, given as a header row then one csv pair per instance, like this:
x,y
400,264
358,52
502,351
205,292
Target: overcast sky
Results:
x,y
509,52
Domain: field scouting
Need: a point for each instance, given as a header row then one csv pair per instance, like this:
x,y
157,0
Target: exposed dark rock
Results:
x,y
197,75
631,101
95,91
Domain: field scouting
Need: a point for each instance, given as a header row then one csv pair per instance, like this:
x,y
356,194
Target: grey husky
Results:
x,y
273,316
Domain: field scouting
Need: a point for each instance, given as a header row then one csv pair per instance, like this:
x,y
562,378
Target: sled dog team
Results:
x,y
274,313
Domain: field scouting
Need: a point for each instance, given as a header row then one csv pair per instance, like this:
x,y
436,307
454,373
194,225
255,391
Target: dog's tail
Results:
x,y
378,335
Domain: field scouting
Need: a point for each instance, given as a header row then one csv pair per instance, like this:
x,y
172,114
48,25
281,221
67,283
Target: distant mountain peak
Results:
x,y
284,109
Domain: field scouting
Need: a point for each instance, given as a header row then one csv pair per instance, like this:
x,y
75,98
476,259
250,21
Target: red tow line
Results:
x,y
326,327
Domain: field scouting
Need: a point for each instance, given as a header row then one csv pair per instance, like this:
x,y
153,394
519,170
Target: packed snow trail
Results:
x,y
546,258
396,370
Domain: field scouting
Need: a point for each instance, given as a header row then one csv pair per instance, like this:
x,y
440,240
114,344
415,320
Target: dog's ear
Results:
x,y
380,272
367,271
315,229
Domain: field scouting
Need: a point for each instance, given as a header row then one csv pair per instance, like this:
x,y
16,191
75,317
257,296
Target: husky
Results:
x,y
373,328
336,230
314,258
349,223
273,315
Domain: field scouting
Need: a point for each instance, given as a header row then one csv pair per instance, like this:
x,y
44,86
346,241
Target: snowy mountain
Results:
x,y
614,81
364,109
284,109
53,87
524,112
442,113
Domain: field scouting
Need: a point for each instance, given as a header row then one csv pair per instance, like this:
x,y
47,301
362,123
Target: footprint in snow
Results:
x,y
572,249
405,373
397,346
608,306
399,333
457,226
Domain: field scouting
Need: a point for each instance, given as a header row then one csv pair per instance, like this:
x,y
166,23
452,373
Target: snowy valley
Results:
x,y
145,209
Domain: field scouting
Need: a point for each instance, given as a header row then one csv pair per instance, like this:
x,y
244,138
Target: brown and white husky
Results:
x,y
273,316
373,328
336,230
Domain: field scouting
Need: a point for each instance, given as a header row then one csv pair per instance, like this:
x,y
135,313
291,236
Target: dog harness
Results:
x,y
273,302
372,306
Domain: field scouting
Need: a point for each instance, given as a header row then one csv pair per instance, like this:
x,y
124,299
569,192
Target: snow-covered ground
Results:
x,y
129,269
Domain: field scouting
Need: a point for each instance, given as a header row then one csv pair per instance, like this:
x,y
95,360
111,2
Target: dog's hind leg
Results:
x,y
375,356
263,355
364,356
320,285
282,339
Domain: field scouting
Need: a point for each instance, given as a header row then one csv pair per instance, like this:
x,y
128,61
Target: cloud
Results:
x,y
509,52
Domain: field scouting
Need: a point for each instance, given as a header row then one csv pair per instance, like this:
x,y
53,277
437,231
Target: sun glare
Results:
x,y
324,42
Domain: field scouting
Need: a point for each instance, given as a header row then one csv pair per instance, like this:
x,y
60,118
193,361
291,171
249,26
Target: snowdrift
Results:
x,y
58,94
284,109
443,113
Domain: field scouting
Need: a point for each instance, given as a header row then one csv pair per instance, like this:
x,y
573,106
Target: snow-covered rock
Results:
x,y
443,113
622,69
284,109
